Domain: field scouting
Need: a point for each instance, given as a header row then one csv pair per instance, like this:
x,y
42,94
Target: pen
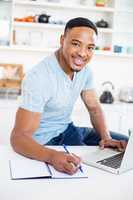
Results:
x,y
80,168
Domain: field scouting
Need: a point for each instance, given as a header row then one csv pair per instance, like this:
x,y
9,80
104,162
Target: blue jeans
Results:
x,y
81,136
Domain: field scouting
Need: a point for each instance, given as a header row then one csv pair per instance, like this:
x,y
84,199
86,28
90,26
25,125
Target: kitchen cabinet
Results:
x,y
44,37
60,13
118,116
5,22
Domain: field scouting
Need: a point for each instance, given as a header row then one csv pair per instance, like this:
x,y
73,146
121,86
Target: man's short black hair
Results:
x,y
80,21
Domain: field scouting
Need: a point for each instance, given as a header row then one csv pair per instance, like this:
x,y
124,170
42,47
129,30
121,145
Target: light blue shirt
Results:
x,y
47,89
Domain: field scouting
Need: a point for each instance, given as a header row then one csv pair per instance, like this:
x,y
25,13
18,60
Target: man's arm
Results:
x,y
22,142
98,121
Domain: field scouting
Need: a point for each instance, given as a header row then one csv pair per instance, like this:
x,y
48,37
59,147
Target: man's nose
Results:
x,y
82,52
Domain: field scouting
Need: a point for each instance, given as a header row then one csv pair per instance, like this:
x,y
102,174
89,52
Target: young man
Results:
x,y
49,92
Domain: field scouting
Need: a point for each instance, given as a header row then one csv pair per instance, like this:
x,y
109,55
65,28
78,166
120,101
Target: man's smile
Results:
x,y
78,61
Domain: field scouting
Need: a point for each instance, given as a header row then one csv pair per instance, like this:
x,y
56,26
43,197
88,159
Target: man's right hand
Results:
x,y
65,162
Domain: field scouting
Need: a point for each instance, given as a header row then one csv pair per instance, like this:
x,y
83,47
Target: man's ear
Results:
x,y
62,40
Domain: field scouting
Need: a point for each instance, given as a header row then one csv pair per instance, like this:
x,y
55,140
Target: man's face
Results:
x,y
77,47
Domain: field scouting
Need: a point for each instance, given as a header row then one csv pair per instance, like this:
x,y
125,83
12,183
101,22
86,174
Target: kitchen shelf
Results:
x,y
124,11
64,6
25,48
6,1
56,10
37,25
48,32
123,31
105,30
112,54
50,26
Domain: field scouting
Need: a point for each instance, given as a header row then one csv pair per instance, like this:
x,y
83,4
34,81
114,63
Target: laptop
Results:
x,y
111,160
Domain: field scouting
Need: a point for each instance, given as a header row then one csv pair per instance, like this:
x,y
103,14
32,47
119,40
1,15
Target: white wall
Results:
x,y
118,70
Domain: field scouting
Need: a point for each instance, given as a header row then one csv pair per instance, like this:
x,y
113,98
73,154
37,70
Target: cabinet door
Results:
x,y
113,120
127,120
119,117
113,116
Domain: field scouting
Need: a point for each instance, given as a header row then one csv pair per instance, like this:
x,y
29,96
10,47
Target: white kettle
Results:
x,y
126,94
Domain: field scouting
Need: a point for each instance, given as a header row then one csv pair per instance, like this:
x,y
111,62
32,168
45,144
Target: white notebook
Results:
x,y
25,168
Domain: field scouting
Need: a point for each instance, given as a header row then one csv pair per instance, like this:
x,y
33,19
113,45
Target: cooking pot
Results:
x,y
107,96
102,24
43,18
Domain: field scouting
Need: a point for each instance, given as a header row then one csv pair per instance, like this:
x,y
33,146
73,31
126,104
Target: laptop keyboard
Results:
x,y
113,161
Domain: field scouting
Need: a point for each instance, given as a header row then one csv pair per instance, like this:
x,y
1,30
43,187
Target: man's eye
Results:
x,y
91,48
75,44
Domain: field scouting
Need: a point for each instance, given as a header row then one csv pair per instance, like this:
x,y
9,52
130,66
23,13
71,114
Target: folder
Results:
x,y
26,168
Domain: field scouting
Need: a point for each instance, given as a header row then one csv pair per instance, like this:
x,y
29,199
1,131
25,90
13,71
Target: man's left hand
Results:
x,y
118,144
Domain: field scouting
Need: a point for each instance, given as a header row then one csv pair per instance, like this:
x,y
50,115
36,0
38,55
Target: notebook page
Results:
x,y
27,168
78,174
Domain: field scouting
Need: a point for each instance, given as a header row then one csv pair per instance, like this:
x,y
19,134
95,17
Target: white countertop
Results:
x,y
99,185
